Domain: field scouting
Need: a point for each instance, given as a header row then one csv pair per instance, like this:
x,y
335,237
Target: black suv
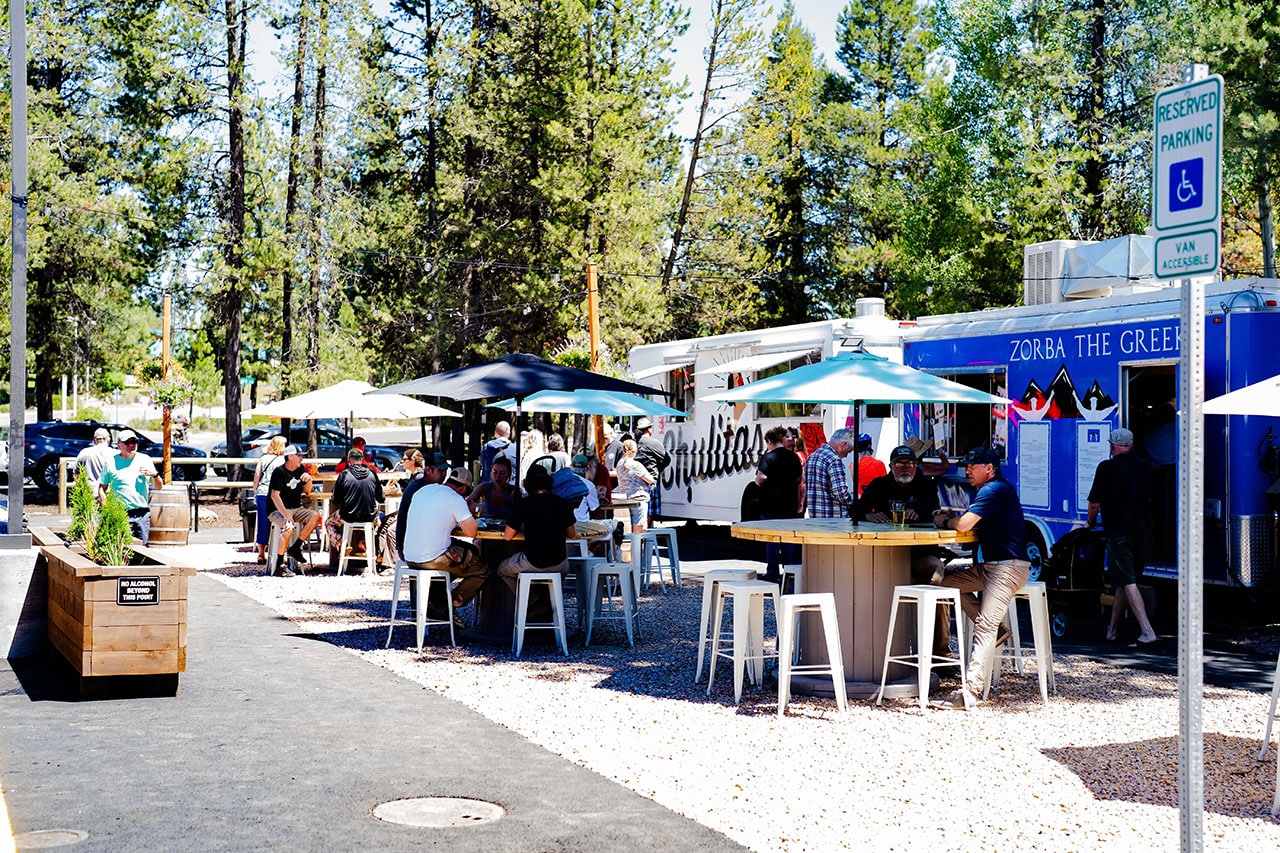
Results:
x,y
331,444
45,441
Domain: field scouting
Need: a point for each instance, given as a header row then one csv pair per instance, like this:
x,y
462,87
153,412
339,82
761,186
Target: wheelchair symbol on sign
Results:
x,y
1185,189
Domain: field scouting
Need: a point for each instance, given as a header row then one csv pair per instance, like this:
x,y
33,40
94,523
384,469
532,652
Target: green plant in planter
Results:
x,y
112,541
84,509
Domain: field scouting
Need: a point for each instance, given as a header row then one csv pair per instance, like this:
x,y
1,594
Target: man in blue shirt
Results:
x,y
987,588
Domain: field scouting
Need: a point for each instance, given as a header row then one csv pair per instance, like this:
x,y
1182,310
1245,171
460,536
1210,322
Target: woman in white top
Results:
x,y
634,481
267,462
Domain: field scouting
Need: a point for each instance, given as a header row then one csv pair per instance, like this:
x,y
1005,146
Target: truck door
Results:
x,y
1149,392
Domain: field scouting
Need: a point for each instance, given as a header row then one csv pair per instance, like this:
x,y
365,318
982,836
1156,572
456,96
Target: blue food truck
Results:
x,y
1075,370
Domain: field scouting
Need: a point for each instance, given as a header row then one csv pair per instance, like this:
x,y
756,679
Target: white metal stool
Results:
x,y
792,606
665,537
1273,714
525,582
598,593
795,571
925,597
710,583
424,578
1034,593
273,557
644,556
748,630
370,546
580,568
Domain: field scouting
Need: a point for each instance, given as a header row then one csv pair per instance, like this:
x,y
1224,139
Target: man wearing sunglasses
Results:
x,y
131,475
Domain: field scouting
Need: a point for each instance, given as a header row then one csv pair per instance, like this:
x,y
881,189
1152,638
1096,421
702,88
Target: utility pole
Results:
x,y
17,537
164,375
593,330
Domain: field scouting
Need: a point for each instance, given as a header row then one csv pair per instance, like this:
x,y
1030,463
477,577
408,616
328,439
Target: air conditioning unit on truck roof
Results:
x,y
1042,265
1061,270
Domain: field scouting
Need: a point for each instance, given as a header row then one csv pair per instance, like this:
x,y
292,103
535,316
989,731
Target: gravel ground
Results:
x,y
1095,769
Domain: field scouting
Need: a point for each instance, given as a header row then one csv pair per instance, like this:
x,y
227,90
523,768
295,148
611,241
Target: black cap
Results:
x,y
982,456
902,452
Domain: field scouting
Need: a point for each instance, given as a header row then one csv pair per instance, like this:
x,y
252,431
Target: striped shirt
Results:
x,y
826,484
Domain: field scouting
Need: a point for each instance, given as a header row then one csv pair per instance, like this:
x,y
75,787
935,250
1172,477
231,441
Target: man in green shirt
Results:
x,y
130,475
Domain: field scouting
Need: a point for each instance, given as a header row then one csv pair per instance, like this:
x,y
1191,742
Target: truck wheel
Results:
x,y
1037,553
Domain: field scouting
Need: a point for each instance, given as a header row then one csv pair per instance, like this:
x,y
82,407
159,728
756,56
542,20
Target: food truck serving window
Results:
x,y
787,410
959,428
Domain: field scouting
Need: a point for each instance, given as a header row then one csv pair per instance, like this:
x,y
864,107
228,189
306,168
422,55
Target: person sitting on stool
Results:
x,y
547,520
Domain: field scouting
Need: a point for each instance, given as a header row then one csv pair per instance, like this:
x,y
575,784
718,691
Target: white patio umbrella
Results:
x,y
852,378
1260,398
350,398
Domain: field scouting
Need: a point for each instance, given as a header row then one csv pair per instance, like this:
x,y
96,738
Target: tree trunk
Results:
x,y
1266,224
682,216
317,203
233,252
1092,217
291,196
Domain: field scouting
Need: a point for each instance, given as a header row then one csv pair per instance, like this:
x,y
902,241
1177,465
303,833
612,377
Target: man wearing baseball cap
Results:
x,y
130,475
289,483
907,484
988,586
94,457
1121,491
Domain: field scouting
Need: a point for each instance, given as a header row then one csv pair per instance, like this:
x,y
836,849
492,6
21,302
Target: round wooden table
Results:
x,y
860,565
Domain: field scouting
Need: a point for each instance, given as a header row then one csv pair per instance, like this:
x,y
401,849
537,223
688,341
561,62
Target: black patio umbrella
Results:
x,y
516,375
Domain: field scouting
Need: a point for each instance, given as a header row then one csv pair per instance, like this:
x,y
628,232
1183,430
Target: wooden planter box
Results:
x,y
116,620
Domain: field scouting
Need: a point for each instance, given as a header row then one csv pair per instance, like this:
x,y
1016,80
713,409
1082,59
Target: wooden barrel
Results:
x,y
170,515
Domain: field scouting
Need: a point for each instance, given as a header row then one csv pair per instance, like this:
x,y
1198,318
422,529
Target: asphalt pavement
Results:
x,y
278,740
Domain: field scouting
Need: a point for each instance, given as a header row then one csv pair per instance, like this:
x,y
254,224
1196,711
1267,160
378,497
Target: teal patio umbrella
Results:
x,y
852,378
589,401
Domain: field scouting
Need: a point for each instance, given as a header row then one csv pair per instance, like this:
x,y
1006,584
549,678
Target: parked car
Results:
x,y
45,441
331,443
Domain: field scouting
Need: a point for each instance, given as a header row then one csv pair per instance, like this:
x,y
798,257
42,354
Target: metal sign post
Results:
x,y
17,537
1187,202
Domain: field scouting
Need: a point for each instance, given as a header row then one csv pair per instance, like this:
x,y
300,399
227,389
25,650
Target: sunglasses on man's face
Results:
x,y
132,441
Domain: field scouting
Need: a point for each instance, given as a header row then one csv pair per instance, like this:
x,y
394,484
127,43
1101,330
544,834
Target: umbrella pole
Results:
x,y
516,473
857,427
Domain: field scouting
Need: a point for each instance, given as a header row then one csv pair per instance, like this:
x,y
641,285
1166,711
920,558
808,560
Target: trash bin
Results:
x,y
248,515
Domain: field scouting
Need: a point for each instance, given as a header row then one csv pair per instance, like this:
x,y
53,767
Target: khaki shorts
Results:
x,y
301,516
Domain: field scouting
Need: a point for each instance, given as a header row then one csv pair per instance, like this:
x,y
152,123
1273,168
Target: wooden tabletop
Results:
x,y
585,530
841,531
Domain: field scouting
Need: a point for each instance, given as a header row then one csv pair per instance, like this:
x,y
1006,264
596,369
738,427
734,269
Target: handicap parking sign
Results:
x,y
1186,184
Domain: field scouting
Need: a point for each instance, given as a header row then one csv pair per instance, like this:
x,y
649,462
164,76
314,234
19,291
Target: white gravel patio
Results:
x,y
1096,769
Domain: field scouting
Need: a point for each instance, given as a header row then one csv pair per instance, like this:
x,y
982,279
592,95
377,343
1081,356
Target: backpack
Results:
x,y
569,486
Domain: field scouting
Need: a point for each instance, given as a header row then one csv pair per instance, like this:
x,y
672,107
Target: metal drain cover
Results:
x,y
438,812
42,839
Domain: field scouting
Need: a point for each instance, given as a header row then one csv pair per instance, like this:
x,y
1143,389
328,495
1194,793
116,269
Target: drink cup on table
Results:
x,y
898,512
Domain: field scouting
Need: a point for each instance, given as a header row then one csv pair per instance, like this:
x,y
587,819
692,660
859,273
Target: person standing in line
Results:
x,y
635,483
271,458
781,483
654,457
1121,491
869,467
826,479
131,475
289,483
94,457
988,586
613,437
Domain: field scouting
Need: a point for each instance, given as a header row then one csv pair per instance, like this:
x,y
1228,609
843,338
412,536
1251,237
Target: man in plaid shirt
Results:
x,y
826,479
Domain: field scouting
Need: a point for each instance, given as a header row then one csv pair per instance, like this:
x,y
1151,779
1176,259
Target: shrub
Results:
x,y
90,413
112,542
84,509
